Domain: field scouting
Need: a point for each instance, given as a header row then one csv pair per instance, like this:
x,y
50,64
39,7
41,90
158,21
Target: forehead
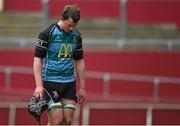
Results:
x,y
70,21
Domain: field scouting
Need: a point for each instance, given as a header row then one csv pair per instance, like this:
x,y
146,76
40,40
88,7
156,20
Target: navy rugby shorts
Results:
x,y
58,91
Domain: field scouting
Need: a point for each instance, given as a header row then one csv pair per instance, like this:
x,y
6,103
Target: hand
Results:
x,y
81,95
39,92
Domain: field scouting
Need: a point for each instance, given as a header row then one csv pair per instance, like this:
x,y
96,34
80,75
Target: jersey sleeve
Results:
x,y
78,53
42,43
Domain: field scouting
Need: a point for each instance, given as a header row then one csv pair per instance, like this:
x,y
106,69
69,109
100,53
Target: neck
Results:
x,y
60,24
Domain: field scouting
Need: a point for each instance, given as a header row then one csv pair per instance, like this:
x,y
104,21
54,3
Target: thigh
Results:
x,y
68,113
55,116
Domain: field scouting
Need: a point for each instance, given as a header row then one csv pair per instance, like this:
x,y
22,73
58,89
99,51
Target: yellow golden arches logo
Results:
x,y
67,51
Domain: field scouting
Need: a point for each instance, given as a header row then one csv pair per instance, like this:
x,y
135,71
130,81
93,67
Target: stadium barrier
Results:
x,y
105,76
13,112
101,104
134,113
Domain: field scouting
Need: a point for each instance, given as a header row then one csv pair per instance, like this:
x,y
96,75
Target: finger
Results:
x,y
36,95
41,96
81,99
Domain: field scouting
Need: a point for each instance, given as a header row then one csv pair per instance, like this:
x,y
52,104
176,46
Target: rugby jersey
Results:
x,y
59,50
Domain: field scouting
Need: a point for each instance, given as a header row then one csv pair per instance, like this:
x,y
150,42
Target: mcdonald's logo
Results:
x,y
65,51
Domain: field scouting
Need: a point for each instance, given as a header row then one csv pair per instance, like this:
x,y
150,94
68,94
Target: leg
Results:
x,y
68,112
55,116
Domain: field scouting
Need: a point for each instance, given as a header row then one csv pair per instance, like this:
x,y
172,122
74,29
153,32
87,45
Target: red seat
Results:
x,y
131,88
19,80
169,90
94,86
27,118
2,79
166,117
117,117
4,114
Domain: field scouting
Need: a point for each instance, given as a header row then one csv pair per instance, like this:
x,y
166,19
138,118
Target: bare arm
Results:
x,y
80,70
37,67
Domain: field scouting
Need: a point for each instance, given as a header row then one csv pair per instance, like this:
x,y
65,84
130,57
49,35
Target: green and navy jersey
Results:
x,y
59,50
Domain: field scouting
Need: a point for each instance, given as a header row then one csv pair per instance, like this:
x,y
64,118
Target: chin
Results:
x,y
68,31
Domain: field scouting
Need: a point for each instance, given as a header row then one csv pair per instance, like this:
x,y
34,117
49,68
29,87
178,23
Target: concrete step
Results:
x,y
23,24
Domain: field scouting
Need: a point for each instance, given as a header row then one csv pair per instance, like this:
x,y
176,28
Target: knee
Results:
x,y
55,121
67,121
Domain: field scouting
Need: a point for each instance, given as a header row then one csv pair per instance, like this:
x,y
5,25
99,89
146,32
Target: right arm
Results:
x,y
37,67
40,53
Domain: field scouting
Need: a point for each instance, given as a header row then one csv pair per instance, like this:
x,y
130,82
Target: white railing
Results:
x,y
169,44
13,106
133,106
131,77
106,77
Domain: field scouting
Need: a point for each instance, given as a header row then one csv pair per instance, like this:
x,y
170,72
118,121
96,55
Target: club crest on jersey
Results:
x,y
74,39
57,39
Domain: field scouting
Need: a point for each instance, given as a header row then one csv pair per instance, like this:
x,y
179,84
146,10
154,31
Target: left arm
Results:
x,y
80,71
